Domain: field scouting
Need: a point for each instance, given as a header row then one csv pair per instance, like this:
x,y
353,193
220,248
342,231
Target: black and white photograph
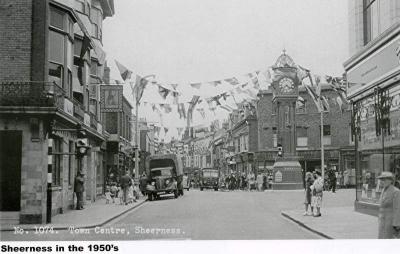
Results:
x,y
128,121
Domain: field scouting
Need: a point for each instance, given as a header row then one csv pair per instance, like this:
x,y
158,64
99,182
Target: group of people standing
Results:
x,y
248,182
314,192
125,190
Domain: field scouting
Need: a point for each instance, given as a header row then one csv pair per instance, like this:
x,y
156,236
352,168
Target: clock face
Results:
x,y
286,85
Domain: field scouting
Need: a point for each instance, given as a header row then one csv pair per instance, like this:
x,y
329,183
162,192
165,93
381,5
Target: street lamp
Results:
x,y
137,120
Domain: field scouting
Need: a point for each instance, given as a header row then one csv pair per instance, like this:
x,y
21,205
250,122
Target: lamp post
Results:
x,y
137,122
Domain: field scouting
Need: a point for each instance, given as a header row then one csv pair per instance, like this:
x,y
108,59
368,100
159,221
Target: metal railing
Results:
x,y
24,94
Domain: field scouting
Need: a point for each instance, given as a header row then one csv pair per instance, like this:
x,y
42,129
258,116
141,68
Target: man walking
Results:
x,y
126,180
79,188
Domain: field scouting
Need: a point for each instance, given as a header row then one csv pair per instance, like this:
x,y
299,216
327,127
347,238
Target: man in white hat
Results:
x,y
389,208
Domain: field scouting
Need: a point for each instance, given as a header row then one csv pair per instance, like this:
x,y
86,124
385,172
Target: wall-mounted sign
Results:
x,y
278,177
86,119
68,107
374,67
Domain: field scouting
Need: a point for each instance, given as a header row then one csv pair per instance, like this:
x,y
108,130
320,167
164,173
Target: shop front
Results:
x,y
374,90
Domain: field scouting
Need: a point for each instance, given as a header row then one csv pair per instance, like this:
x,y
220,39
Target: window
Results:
x,y
56,47
326,135
301,107
94,68
274,109
274,137
371,19
56,73
302,137
70,161
57,161
57,18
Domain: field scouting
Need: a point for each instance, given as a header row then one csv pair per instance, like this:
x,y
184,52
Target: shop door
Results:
x,y
10,170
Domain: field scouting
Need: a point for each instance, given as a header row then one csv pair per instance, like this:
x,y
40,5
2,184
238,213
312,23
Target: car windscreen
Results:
x,y
161,172
161,163
210,173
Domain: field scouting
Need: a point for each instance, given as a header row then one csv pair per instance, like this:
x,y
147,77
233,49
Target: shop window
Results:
x,y
302,137
57,161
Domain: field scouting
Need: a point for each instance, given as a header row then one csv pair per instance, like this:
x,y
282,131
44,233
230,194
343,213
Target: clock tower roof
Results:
x,y
284,60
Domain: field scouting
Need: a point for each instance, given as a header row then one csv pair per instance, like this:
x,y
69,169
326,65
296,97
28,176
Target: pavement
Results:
x,y
214,215
95,214
337,223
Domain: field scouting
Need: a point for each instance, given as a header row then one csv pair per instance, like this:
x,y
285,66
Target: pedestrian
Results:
x,y
143,183
79,188
114,191
309,180
389,208
108,194
332,180
259,181
120,194
270,180
125,181
317,191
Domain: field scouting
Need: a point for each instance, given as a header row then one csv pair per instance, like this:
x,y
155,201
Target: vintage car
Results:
x,y
209,179
165,174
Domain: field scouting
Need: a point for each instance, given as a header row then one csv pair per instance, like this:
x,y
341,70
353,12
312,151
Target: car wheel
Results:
x,y
201,188
176,194
216,189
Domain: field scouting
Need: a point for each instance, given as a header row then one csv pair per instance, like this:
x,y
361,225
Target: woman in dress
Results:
x,y
307,203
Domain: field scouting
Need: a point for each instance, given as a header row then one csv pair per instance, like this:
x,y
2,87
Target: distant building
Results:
x,y
337,140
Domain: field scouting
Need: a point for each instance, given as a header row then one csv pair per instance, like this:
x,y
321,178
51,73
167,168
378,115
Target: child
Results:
x,y
108,194
113,191
120,195
130,194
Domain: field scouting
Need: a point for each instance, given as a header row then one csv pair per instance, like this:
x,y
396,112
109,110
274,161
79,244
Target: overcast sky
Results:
x,y
188,41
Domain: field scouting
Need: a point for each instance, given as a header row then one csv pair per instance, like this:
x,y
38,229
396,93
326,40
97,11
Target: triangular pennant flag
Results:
x,y
325,104
165,130
163,92
140,86
302,73
181,110
196,85
125,72
313,96
176,97
232,81
216,83
174,86
86,46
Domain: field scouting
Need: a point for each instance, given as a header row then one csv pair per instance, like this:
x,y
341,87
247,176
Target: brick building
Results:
x,y
48,88
117,118
337,138
242,139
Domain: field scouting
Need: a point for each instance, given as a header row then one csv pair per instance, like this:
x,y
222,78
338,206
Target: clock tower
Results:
x,y
285,86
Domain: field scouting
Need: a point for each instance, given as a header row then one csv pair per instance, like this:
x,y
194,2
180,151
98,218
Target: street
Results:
x,y
202,215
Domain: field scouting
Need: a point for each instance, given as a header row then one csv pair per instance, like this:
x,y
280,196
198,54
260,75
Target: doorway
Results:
x,y
10,170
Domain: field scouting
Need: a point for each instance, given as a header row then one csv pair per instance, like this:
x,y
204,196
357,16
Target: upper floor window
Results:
x,y
327,135
377,17
274,137
302,137
301,107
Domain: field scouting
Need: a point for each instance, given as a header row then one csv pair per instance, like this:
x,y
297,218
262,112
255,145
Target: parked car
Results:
x,y
209,179
165,175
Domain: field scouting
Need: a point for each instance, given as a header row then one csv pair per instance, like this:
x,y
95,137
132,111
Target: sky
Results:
x,y
189,41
